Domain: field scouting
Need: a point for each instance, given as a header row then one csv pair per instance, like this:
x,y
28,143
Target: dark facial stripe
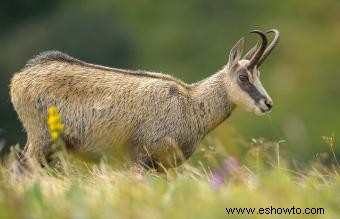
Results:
x,y
251,90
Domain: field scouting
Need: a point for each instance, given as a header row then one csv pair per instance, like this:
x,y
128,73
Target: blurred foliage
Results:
x,y
75,189
191,40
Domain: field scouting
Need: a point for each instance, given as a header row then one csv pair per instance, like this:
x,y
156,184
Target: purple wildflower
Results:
x,y
231,165
219,176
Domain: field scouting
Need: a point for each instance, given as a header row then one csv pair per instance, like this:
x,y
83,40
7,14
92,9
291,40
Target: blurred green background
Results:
x,y
191,40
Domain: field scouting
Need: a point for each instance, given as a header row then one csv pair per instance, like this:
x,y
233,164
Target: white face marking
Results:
x,y
241,98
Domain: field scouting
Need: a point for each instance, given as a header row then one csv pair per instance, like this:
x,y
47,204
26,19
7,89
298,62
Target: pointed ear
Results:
x,y
235,53
251,52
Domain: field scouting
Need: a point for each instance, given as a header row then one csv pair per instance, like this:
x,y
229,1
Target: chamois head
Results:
x,y
243,75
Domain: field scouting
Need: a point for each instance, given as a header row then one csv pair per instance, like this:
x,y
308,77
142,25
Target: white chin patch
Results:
x,y
258,111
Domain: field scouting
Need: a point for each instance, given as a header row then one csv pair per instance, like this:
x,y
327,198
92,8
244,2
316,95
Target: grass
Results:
x,y
201,188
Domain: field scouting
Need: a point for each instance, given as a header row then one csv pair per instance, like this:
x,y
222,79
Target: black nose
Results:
x,y
269,104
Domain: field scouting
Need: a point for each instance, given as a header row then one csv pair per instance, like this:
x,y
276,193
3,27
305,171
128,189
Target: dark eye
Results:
x,y
243,77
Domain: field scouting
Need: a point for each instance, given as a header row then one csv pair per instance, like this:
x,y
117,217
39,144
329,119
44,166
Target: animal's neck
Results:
x,y
211,104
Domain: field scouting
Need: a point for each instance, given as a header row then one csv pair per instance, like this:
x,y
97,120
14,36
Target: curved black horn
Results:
x,y
271,45
254,61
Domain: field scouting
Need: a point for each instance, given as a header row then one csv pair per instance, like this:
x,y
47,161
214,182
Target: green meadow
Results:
x,y
205,187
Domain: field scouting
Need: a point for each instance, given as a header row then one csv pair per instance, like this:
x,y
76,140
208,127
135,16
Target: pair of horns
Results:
x,y
262,51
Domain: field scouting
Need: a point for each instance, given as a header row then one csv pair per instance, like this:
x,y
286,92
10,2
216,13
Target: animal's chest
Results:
x,y
188,140
172,153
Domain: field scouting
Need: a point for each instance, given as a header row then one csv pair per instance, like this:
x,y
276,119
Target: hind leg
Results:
x,y
38,148
33,155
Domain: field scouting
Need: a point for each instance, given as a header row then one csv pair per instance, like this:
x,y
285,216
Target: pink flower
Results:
x,y
219,176
217,180
231,165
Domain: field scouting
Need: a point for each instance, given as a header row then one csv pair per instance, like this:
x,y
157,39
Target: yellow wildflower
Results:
x,y
53,127
54,135
54,123
52,110
60,127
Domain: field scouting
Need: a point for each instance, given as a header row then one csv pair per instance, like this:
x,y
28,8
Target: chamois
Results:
x,y
158,120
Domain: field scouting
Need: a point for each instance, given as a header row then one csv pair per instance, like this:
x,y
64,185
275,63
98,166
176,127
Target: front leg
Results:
x,y
168,154
143,163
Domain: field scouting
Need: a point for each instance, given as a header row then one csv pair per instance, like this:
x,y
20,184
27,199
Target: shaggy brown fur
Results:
x,y
156,118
